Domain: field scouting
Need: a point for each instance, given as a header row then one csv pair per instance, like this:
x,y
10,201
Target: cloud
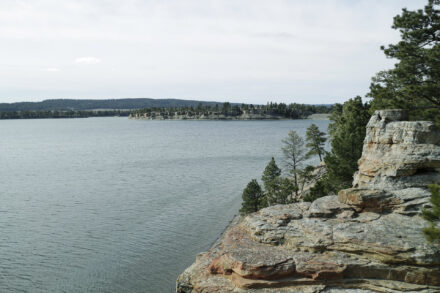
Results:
x,y
89,60
246,51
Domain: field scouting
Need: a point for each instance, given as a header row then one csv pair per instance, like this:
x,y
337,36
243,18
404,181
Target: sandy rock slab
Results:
x,y
316,252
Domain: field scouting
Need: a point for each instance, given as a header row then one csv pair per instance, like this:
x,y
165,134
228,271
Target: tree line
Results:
x,y
84,104
291,111
61,114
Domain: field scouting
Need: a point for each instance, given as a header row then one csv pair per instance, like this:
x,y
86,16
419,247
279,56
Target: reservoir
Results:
x,y
120,205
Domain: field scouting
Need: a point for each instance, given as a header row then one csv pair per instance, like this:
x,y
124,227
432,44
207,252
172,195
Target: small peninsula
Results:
x,y
228,111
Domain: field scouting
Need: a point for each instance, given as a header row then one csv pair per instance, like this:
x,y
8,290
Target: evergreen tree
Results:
x,y
278,190
226,108
315,141
270,173
432,233
414,82
294,155
199,107
347,131
252,198
282,191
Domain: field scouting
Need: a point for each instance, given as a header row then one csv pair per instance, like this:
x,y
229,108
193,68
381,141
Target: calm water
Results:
x,y
119,205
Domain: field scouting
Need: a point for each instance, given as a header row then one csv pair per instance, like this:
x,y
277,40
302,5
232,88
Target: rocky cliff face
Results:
x,y
366,239
398,154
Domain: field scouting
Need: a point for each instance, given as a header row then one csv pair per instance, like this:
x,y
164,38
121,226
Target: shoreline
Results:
x,y
310,117
235,220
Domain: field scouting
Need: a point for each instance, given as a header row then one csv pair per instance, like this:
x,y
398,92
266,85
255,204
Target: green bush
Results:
x,y
432,233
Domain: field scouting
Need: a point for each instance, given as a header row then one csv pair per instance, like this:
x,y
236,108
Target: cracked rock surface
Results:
x,y
365,239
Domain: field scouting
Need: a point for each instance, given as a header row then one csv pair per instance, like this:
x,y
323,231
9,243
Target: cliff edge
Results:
x,y
366,239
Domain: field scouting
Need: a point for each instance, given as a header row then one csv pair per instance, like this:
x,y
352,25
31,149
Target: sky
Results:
x,y
251,51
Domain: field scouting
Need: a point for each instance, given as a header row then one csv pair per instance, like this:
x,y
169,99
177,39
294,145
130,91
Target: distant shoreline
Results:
x,y
165,109
236,118
229,118
58,114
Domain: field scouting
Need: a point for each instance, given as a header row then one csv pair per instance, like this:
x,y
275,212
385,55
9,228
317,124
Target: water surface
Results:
x,y
119,205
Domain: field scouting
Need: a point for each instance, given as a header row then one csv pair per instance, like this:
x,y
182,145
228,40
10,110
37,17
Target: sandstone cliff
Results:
x,y
366,239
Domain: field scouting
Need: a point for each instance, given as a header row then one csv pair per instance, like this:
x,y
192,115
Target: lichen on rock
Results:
x,y
366,239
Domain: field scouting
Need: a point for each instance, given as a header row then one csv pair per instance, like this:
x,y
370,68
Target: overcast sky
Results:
x,y
320,51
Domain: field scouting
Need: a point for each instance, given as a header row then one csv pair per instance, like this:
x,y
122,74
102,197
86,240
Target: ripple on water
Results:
x,y
118,205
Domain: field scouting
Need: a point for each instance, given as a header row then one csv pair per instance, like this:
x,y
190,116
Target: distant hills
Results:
x,y
110,104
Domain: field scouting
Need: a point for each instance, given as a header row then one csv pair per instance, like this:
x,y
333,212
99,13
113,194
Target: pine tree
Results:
x,y
270,173
294,155
347,131
278,190
414,82
432,233
315,141
282,191
252,198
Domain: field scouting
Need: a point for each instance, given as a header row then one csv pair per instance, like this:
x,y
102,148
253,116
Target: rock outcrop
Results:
x,y
365,239
398,154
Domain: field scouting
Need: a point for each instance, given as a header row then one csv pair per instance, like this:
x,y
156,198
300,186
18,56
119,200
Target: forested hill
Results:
x,y
228,111
147,108
114,104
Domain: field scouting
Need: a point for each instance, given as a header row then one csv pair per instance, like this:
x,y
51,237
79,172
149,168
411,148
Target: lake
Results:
x,y
120,205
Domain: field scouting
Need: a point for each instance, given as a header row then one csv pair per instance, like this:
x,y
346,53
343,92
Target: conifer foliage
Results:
x,y
282,192
271,172
315,141
414,82
278,189
347,131
432,233
253,198
294,155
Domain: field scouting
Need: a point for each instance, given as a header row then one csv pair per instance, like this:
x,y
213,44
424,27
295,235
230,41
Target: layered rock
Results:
x,y
366,239
398,154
